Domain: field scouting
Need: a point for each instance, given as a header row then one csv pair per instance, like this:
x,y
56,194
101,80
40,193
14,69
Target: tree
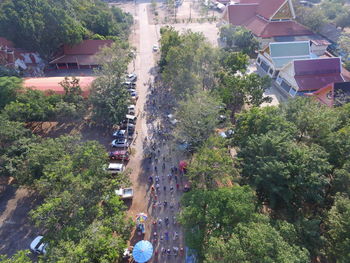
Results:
x,y
39,25
343,19
236,90
239,39
190,64
344,43
234,62
287,174
255,242
169,38
11,132
211,166
109,97
338,226
314,18
214,213
21,256
9,87
32,105
198,116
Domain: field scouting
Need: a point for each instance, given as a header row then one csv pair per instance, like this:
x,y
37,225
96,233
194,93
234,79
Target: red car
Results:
x,y
119,155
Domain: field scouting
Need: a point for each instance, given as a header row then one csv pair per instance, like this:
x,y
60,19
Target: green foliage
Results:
x,y
44,25
255,242
234,62
190,61
21,256
214,213
108,96
344,44
338,225
239,39
198,116
211,166
9,87
10,132
314,18
237,90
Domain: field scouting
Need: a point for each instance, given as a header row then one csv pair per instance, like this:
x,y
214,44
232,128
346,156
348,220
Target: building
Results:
x,y
265,18
19,59
275,56
52,85
333,94
81,56
308,75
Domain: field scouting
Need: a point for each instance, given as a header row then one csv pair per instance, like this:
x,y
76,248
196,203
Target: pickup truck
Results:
x,y
125,193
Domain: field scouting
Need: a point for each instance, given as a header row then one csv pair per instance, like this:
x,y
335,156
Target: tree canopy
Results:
x,y
44,25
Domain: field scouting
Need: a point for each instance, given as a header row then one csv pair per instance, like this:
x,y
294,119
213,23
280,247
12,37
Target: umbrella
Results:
x,y
142,251
141,217
182,165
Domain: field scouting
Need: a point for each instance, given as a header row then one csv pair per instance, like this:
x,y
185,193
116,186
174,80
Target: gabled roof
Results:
x,y
266,29
242,13
87,47
334,94
313,74
256,15
289,49
282,53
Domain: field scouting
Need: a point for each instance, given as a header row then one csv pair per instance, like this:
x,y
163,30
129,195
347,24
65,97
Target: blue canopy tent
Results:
x,y
143,251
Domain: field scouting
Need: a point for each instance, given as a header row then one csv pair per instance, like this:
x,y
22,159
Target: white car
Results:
x,y
115,168
125,193
38,246
131,109
121,143
155,48
132,77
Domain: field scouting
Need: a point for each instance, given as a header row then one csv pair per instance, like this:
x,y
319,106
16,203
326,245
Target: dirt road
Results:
x,y
161,205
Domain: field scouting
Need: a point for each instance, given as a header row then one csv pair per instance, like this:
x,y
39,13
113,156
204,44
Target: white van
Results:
x,y
115,168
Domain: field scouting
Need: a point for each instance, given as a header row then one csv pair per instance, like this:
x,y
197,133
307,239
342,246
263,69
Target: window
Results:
x,y
271,71
285,85
264,66
259,60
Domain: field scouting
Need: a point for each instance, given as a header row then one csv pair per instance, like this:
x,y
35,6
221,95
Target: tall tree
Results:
x,y
198,115
108,95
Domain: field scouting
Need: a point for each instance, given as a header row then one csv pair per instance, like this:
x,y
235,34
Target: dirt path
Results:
x,y
164,204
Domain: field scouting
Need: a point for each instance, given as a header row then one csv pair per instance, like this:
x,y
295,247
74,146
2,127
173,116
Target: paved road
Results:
x,y
145,200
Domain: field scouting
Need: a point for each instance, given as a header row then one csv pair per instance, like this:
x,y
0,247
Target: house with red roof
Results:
x,y
18,58
309,75
333,94
80,56
265,18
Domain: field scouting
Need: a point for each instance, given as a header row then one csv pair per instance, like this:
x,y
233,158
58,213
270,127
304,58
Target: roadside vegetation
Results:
x,y
44,25
275,189
80,216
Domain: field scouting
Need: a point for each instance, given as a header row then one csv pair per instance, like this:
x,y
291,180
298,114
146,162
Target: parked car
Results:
x,y
132,77
131,118
155,48
127,126
38,246
133,94
120,134
125,193
122,142
114,168
119,155
131,109
129,84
